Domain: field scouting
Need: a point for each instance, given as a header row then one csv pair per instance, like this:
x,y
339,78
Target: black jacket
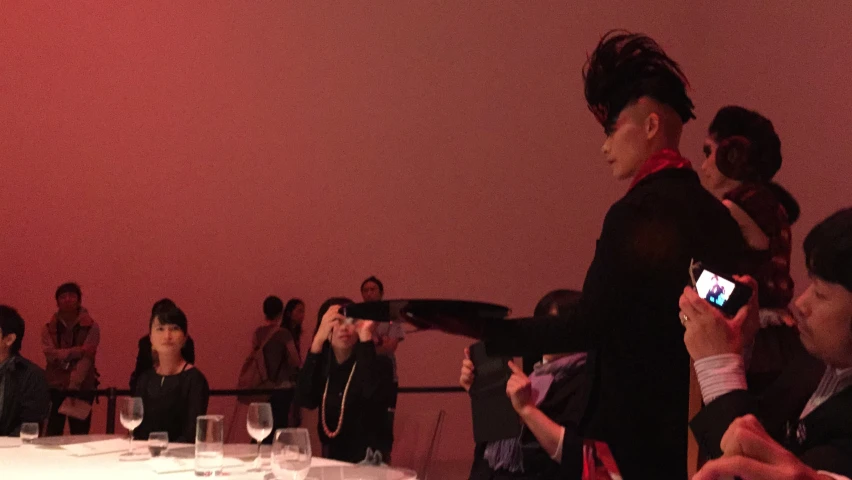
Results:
x,y
367,401
26,397
629,316
823,439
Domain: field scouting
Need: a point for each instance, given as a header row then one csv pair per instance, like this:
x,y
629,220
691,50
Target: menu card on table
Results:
x,y
99,447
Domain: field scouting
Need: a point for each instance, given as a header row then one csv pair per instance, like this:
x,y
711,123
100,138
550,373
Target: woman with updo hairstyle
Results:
x,y
743,154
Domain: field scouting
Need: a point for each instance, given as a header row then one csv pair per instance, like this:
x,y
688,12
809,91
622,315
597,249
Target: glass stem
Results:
x,y
257,460
130,445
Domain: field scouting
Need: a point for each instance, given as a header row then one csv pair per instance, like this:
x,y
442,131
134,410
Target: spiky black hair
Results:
x,y
627,66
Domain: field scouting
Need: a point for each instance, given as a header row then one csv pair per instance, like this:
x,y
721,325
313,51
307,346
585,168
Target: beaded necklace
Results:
x,y
325,428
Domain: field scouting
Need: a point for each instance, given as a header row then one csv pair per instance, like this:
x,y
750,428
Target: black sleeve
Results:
x,y
634,246
34,398
311,382
198,395
144,361
376,374
188,350
711,423
568,397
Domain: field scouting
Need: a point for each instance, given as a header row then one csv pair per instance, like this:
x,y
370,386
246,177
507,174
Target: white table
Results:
x,y
48,460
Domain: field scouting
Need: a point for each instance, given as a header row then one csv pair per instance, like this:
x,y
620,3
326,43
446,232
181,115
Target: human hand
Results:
x,y
709,331
519,389
467,371
749,453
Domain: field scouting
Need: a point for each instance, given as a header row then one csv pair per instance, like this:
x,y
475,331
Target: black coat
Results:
x,y
823,439
26,397
629,316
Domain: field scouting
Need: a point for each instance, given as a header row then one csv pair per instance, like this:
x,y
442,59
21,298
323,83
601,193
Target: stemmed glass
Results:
x,y
131,414
291,454
259,426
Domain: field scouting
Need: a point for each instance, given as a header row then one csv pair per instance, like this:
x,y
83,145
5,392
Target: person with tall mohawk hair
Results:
x,y
628,316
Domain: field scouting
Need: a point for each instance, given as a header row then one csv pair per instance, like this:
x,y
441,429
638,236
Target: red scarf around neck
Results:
x,y
662,160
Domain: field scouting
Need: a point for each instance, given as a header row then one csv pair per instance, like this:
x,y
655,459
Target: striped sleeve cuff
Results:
x,y
720,374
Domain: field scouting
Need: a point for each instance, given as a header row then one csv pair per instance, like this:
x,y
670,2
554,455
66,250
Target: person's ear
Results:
x,y
9,339
652,125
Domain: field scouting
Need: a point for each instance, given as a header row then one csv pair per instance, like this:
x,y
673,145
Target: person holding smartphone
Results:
x,y
350,385
805,412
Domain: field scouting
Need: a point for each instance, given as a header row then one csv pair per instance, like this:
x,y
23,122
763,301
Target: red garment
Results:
x,y
771,267
661,160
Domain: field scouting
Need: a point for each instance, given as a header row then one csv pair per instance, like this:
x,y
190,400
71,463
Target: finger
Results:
x,y
515,369
468,364
748,280
743,439
742,315
466,353
743,468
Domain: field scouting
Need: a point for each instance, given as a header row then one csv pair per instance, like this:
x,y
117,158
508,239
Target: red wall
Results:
x,y
216,152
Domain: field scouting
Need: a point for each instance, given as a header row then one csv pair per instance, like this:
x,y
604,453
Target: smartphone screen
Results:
x,y
714,289
722,292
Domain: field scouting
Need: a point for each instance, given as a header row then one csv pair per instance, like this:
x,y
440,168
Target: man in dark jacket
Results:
x,y
629,313
23,389
807,408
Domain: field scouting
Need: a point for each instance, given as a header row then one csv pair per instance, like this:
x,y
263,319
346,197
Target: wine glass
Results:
x,y
131,417
291,454
158,442
259,426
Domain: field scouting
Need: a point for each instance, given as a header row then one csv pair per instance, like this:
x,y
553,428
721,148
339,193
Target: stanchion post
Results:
x,y
112,398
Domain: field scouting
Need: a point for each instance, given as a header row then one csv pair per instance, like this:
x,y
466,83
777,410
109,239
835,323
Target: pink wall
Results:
x,y
217,152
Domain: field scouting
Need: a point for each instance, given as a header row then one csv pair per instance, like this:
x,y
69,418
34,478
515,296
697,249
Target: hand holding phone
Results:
x,y
723,292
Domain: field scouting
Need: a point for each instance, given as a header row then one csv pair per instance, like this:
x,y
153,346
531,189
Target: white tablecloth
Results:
x,y
48,460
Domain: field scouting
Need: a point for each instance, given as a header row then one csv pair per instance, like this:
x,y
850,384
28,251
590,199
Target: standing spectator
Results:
x,y
292,320
70,341
145,358
280,359
23,388
387,336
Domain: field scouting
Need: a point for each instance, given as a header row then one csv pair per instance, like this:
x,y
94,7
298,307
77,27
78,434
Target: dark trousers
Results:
x,y
281,401
56,421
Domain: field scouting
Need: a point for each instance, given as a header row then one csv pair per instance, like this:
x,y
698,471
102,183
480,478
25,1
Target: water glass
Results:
x,y
291,454
29,432
209,448
158,442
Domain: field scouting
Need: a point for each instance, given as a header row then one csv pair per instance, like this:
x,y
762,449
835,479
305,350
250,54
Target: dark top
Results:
x,y
25,395
629,316
367,402
770,267
822,440
565,403
145,359
172,404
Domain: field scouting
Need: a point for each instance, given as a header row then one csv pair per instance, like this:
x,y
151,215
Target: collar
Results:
x,y
662,160
83,319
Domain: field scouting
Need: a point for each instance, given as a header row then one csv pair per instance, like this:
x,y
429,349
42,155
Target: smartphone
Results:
x,y
724,293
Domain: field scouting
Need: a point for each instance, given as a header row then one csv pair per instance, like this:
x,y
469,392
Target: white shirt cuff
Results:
x,y
720,374
833,475
557,455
